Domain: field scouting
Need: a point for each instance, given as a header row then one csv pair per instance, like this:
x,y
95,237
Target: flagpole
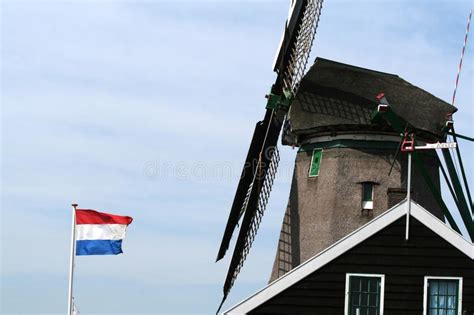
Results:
x,y
71,262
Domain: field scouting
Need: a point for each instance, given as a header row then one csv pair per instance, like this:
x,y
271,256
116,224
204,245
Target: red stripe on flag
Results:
x,y
88,216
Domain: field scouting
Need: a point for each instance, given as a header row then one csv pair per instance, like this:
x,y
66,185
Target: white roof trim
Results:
x,y
348,242
442,229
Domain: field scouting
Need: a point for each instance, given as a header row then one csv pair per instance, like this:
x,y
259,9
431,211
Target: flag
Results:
x,y
99,233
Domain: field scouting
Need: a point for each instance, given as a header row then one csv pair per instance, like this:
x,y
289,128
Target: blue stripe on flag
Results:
x,y
98,247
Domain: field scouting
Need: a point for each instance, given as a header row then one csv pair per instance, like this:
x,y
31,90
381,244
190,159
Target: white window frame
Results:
x,y
425,292
367,205
382,289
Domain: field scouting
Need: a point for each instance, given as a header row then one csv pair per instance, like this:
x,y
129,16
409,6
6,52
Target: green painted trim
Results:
x,y
276,101
353,144
461,165
464,209
315,165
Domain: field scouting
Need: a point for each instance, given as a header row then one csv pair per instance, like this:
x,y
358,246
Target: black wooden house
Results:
x,y
375,270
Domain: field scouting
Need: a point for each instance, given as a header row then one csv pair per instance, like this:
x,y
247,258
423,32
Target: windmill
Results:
x,y
262,159
347,135
348,139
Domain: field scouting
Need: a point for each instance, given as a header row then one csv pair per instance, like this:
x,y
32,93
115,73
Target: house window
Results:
x,y
367,195
364,294
442,295
315,162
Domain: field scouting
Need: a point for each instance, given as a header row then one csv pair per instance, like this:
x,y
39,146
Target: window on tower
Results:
x,y
368,195
315,163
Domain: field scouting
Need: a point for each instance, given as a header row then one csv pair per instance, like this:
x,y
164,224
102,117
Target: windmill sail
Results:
x,y
256,204
294,59
246,179
260,167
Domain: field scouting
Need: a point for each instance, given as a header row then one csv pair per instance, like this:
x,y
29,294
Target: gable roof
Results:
x,y
338,96
350,241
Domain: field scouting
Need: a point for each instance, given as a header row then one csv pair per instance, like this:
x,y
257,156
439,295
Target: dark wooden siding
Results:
x,y
404,264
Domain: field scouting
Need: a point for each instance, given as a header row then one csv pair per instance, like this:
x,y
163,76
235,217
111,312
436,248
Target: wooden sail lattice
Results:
x,y
257,218
299,56
258,175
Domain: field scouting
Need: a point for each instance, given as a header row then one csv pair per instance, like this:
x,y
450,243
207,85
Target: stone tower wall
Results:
x,y
323,209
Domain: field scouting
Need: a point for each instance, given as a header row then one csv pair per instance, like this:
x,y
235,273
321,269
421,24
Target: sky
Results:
x,y
146,108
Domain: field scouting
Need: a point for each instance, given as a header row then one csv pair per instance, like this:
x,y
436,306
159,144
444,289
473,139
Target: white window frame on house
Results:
x,y
425,292
347,293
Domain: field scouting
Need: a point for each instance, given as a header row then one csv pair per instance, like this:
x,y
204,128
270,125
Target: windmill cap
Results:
x,y
340,97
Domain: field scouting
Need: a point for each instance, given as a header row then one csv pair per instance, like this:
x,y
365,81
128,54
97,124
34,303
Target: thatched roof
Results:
x,y
339,97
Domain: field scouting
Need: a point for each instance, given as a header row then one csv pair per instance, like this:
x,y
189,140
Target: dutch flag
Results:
x,y
99,233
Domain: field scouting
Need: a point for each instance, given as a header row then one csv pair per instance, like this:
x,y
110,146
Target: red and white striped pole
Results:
x,y
462,56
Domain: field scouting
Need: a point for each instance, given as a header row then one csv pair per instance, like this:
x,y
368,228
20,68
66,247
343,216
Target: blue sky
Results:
x,y
146,108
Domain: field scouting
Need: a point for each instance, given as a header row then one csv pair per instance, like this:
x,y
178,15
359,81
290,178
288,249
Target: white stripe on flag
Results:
x,y
100,231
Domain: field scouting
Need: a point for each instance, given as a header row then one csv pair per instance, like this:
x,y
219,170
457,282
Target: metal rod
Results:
x,y
448,183
452,133
466,186
407,231
396,155
71,262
